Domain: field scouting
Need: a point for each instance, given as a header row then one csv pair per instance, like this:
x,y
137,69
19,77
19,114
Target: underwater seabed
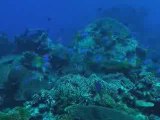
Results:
x,y
103,75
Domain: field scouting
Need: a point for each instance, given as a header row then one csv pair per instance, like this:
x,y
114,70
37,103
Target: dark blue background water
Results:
x,y
62,18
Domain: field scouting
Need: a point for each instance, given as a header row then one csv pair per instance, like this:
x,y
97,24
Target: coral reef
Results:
x,y
19,83
103,71
33,40
98,113
108,45
42,105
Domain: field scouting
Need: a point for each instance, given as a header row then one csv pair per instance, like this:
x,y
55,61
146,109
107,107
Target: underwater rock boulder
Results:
x,y
35,41
33,61
59,58
92,112
107,45
6,64
22,84
30,85
98,32
12,85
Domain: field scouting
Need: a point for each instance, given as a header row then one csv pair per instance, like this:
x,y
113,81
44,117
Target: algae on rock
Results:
x,y
18,113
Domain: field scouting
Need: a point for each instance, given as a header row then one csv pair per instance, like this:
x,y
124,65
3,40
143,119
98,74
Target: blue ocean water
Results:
x,y
79,60
63,18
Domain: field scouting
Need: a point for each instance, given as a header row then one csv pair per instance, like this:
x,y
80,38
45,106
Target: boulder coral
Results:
x,y
108,44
